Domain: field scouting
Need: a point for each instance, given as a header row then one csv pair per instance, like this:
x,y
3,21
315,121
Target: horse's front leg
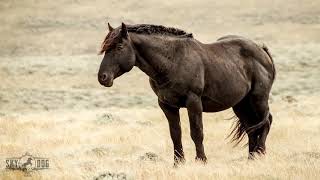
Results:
x,y
194,107
173,117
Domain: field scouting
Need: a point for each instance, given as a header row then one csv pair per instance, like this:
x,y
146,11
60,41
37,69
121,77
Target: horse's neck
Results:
x,y
153,56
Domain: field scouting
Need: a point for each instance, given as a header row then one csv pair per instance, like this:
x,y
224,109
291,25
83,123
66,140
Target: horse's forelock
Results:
x,y
108,42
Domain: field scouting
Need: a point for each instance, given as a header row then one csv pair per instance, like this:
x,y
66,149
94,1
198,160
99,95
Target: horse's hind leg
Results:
x,y
251,111
260,106
244,112
262,136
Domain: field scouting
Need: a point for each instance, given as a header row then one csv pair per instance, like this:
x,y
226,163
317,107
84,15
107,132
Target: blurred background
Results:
x,y
72,27
52,105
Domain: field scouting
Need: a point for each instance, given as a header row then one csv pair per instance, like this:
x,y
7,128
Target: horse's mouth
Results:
x,y
105,80
107,84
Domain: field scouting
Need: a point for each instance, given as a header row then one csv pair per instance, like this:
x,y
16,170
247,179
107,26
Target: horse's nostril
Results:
x,y
103,77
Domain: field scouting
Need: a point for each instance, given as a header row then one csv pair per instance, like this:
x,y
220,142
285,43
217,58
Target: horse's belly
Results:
x,y
210,105
219,99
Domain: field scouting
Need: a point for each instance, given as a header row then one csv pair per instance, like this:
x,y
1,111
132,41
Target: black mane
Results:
x,y
109,40
158,29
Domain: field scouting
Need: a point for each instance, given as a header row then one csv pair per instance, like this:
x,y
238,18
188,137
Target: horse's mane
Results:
x,y
147,29
157,29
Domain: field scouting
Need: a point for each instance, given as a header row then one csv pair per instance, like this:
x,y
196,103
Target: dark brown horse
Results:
x,y
232,72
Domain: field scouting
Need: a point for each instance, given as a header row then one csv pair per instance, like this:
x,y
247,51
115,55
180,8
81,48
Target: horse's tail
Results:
x,y
239,130
265,48
253,128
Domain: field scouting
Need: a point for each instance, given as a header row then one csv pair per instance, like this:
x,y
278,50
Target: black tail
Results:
x,y
265,48
253,128
238,132
240,129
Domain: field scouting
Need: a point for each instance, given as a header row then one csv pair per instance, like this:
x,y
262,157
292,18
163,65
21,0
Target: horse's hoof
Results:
x,y
179,162
251,157
202,159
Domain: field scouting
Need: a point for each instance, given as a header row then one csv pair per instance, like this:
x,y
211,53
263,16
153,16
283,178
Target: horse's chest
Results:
x,y
171,97
172,94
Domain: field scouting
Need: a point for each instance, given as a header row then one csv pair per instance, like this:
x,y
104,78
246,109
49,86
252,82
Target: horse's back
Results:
x,y
230,37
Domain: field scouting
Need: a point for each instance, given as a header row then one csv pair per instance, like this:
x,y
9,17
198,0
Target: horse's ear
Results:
x,y
124,30
110,27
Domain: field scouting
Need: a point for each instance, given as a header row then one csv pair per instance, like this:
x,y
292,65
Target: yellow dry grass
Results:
x,y
79,146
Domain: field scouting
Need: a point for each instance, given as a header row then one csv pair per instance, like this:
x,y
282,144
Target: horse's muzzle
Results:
x,y
105,79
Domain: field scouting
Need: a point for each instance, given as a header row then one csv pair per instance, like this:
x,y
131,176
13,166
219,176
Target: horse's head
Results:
x,y
119,56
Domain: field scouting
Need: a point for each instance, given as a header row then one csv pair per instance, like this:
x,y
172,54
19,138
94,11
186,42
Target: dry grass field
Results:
x,y
52,105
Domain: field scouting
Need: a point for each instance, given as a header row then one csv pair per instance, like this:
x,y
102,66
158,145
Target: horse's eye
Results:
x,y
119,47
